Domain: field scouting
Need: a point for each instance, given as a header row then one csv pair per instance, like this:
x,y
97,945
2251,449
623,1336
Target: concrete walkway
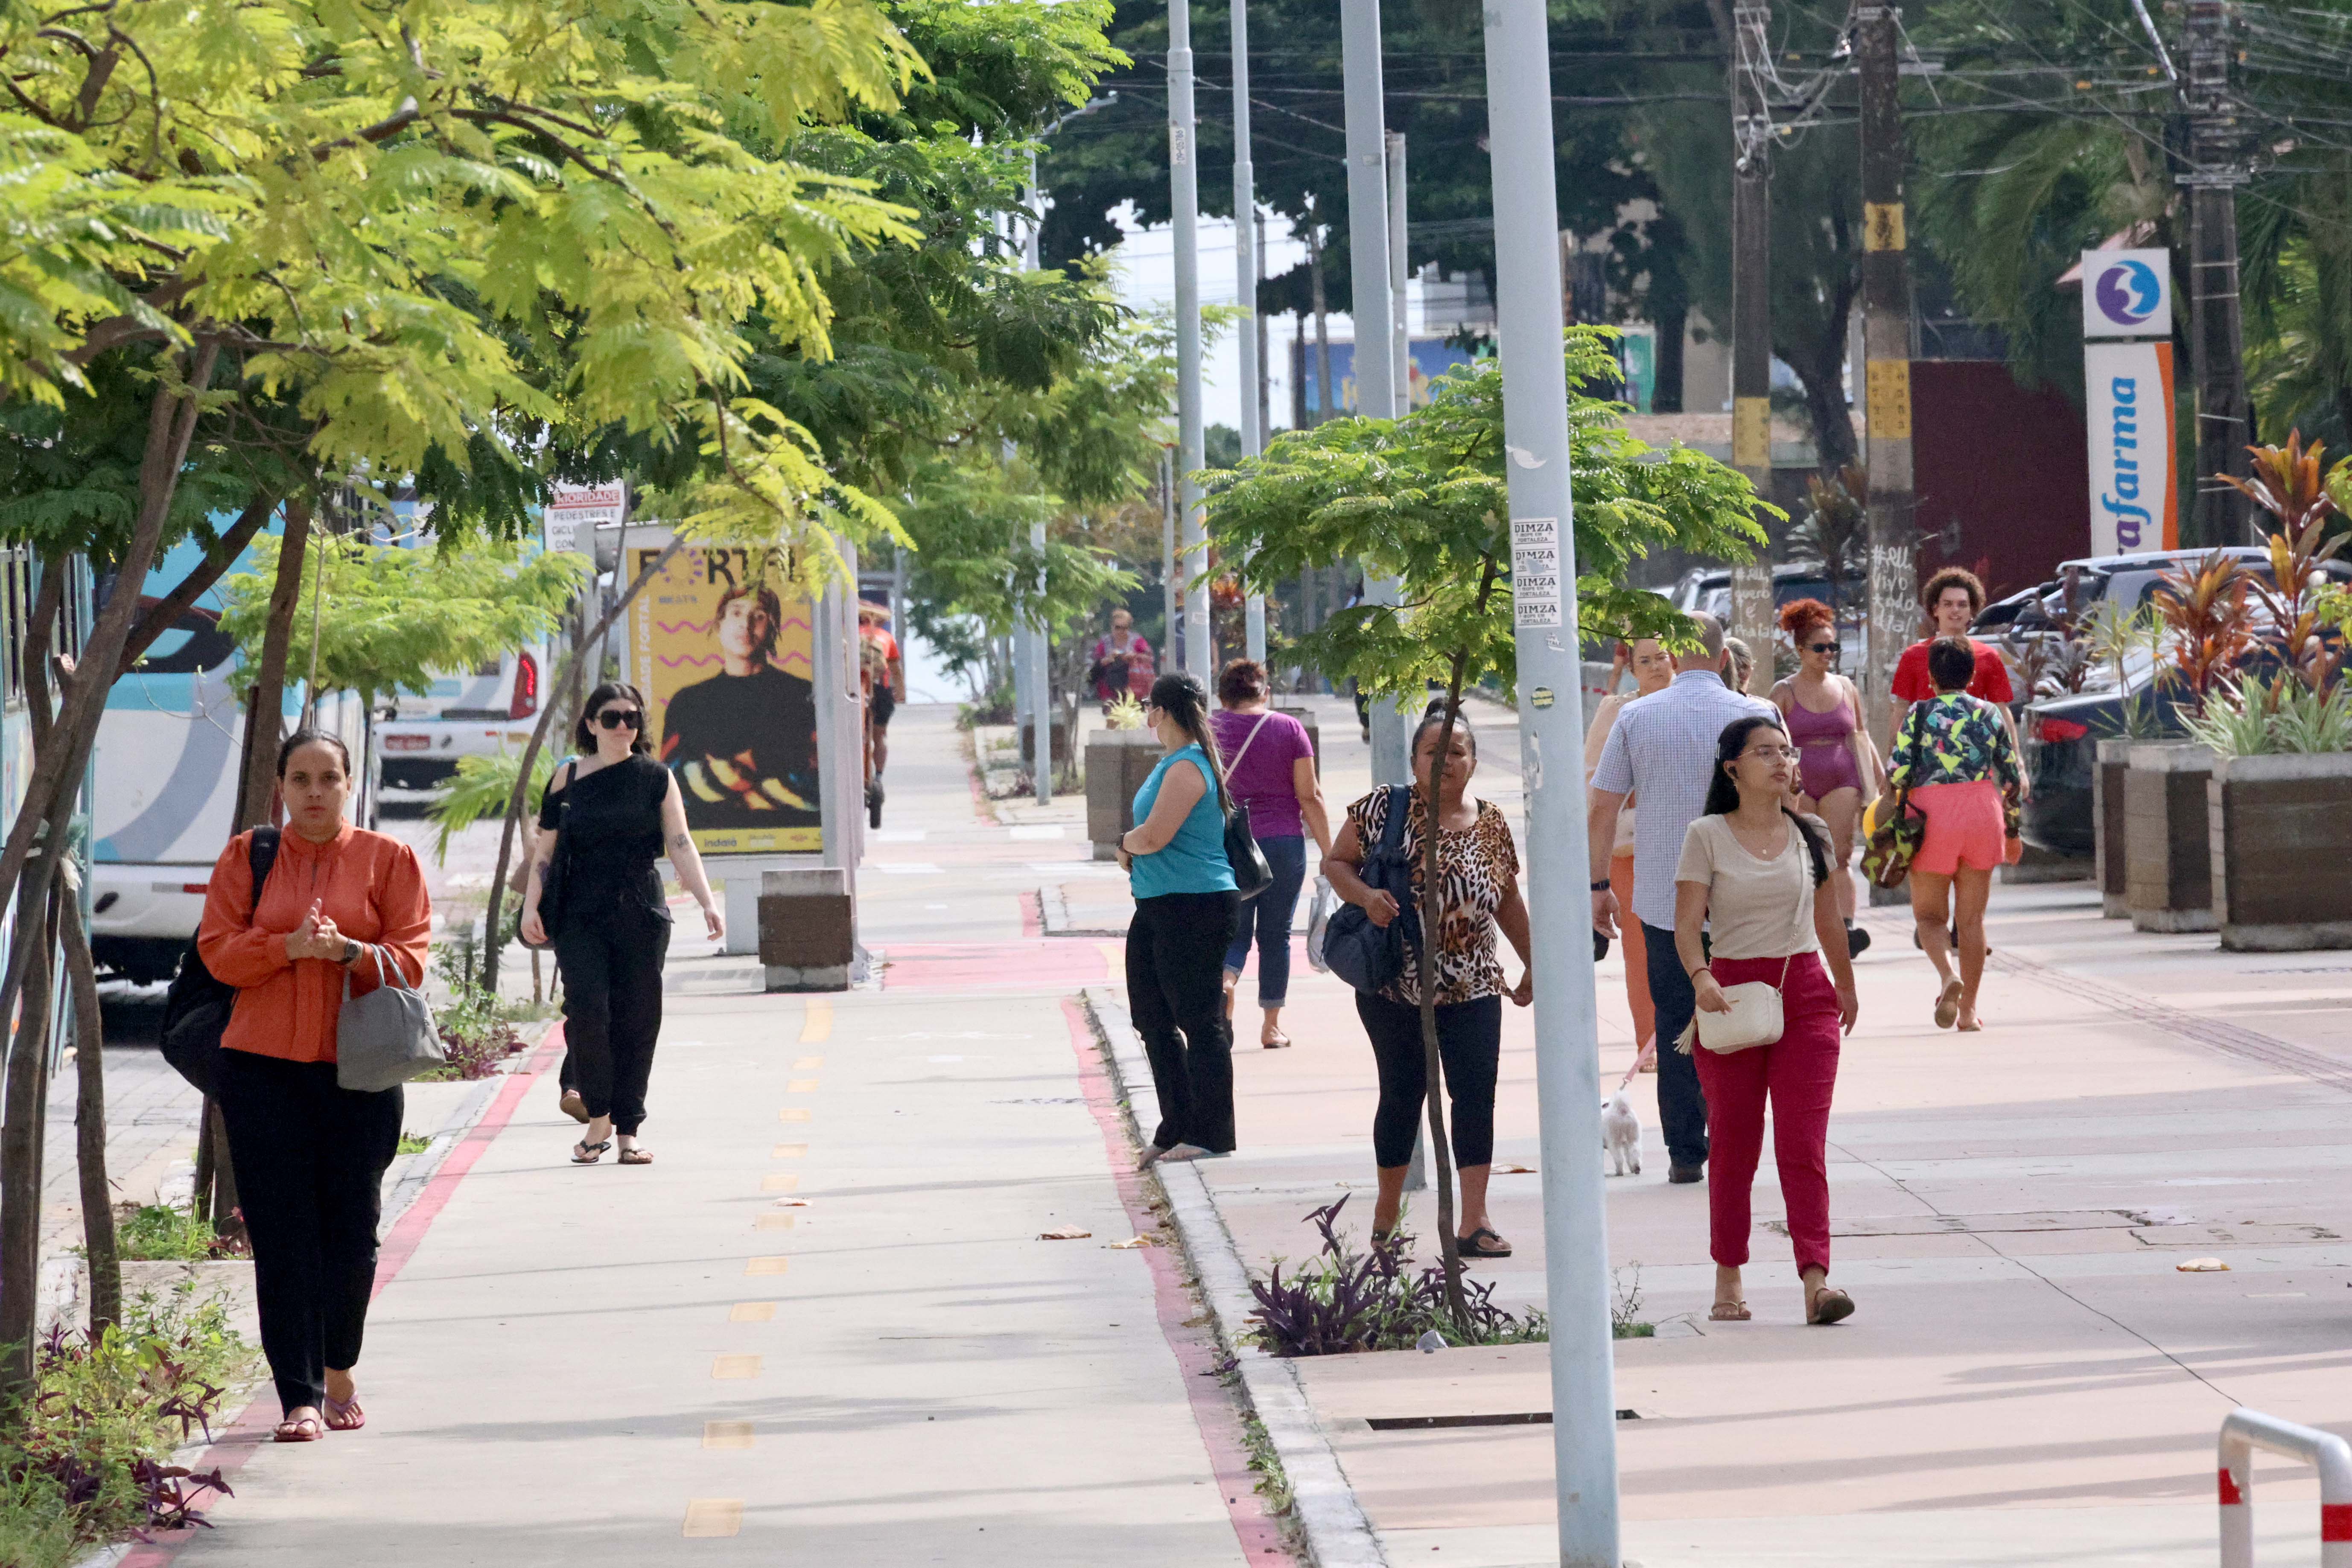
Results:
x,y
823,1327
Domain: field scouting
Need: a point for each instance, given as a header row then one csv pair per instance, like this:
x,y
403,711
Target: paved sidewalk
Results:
x,y
823,1327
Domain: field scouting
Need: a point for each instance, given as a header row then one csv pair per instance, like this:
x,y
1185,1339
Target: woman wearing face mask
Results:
x,y
310,1156
611,812
1653,671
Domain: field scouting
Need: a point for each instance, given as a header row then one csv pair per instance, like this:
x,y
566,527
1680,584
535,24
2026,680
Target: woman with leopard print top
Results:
x,y
1478,869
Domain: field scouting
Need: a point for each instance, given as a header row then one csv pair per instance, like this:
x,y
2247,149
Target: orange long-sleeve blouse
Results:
x,y
374,891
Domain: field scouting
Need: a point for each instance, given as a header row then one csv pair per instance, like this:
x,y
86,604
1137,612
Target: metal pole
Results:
x,y
1253,348
1168,628
1265,388
1400,329
1368,250
1184,193
1551,729
1041,641
1891,586
1751,314
2217,153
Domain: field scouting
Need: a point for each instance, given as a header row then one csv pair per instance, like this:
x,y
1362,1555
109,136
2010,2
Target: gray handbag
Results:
x,y
385,1037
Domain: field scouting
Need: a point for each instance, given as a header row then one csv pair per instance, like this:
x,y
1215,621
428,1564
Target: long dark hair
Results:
x,y
1723,793
1185,700
584,732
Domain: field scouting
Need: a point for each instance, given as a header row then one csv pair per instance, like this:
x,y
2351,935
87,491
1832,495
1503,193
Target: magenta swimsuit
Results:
x,y
1824,751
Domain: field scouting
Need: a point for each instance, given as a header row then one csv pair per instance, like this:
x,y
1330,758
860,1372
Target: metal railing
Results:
x,y
2246,1430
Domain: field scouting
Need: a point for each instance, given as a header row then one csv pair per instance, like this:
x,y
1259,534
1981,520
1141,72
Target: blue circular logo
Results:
x,y
2128,292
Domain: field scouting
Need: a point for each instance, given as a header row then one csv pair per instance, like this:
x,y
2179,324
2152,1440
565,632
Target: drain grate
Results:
x,y
1515,1418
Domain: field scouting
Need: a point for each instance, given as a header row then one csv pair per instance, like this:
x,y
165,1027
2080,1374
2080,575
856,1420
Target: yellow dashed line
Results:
x,y
772,1222
786,1182
727,1434
767,1265
803,1085
790,1152
808,1064
734,1367
714,1518
816,1027
792,1114
752,1312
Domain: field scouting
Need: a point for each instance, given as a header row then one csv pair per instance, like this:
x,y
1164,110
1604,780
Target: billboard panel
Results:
x,y
723,657
2126,294
2134,461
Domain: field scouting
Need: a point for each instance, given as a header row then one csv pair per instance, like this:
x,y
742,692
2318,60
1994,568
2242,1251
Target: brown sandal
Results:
x,y
1828,1305
635,1157
1728,1312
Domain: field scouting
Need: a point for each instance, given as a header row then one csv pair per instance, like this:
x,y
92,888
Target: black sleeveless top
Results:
x,y
611,837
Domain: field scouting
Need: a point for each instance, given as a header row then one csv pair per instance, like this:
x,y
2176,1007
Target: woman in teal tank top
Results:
x,y
1185,911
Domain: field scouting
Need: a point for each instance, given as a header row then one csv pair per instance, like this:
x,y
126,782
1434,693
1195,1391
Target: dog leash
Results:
x,y
1641,1056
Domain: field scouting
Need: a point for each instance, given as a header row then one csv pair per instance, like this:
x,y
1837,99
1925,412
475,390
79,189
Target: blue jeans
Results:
x,y
1268,914
1682,1102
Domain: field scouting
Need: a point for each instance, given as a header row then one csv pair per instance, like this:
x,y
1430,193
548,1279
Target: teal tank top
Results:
x,y
1194,859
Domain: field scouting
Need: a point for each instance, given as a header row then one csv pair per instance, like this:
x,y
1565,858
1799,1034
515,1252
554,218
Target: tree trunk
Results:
x,y
265,714
494,946
20,1158
1325,406
89,1124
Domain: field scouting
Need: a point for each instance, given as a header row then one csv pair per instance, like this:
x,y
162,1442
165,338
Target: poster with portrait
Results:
x,y
723,657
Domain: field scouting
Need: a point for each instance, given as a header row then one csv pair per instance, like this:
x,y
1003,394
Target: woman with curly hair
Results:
x,y
1837,767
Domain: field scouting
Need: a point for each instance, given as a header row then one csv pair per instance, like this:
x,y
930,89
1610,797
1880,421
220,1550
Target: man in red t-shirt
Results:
x,y
1952,598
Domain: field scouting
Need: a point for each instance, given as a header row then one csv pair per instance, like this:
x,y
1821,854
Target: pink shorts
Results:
x,y
1965,827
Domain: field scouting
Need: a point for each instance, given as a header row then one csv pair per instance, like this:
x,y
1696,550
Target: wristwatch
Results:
x,y
351,950
1601,886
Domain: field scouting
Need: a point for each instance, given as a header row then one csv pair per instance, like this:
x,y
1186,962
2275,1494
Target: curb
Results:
x,y
1337,1533
1053,913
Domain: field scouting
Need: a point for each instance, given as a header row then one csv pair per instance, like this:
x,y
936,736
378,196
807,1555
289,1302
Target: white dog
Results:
x,y
1620,1134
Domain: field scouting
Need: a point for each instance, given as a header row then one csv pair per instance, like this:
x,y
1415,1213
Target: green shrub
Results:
x,y
156,1233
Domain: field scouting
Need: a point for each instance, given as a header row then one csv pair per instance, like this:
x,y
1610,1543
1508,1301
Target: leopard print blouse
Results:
x,y
1475,863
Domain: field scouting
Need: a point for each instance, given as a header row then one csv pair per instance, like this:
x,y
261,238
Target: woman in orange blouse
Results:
x,y
310,1156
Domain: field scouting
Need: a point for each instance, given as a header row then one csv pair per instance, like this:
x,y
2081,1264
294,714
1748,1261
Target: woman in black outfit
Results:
x,y
609,814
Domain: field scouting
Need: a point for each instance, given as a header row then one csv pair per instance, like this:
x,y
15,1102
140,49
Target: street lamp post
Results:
x,y
1184,193
1246,287
1551,739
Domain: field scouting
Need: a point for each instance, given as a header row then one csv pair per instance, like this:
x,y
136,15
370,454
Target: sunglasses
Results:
x,y
621,718
1820,647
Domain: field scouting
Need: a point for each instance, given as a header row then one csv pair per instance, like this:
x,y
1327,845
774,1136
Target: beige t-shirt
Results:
x,y
1755,908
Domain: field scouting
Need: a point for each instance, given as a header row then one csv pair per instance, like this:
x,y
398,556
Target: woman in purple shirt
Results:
x,y
1269,765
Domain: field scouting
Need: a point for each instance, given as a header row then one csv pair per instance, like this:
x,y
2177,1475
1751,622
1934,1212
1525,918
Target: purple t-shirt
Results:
x,y
1265,779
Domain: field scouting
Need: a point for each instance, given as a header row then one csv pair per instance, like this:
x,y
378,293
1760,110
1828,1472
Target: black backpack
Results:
x,y
197,1008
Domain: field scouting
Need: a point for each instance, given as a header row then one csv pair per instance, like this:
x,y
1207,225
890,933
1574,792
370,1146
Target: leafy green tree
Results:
x,y
1425,499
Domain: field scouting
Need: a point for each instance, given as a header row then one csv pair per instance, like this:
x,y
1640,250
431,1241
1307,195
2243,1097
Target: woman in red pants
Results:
x,y
1748,876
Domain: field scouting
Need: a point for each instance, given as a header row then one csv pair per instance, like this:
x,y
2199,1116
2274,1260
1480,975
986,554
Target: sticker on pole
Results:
x,y
1535,572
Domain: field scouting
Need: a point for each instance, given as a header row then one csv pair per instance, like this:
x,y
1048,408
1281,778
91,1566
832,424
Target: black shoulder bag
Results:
x,y
197,1008
1368,956
559,859
1252,874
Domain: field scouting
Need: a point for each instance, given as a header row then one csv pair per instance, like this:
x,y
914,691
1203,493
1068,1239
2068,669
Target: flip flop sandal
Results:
x,y
1832,1305
588,1154
344,1415
1279,1042
1728,1312
636,1157
1482,1243
305,1430
1947,1005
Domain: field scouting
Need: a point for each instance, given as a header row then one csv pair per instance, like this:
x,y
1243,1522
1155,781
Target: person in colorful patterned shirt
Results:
x,y
1954,759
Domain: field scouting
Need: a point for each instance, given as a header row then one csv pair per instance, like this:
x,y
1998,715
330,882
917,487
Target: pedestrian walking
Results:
x,y
1838,769
1478,869
1270,769
1748,912
1956,760
1739,663
1652,670
339,905
1186,908
605,817
1663,749
1952,598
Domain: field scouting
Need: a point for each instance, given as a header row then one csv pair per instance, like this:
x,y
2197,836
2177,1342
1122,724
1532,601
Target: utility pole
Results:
x,y
2218,144
1751,312
1400,329
1891,587
1168,625
1264,389
1323,395
1551,730
1368,252
1184,191
1250,338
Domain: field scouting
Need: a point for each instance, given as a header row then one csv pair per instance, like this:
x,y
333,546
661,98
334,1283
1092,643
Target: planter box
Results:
x,y
2107,825
2281,837
1117,762
808,929
2168,854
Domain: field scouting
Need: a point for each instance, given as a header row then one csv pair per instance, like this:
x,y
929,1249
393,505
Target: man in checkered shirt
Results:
x,y
1662,753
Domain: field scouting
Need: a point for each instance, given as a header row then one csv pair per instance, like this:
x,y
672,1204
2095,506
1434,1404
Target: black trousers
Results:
x,y
612,966
1176,995
1682,1104
1469,1048
309,1160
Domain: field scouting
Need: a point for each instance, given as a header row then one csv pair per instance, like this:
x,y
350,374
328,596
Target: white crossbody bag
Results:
x,y
1755,1017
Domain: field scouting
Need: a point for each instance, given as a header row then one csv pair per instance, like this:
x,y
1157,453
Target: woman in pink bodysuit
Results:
x,y
1838,769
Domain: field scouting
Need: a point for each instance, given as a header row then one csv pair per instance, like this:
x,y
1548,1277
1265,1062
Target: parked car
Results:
x,y
420,739
1709,589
